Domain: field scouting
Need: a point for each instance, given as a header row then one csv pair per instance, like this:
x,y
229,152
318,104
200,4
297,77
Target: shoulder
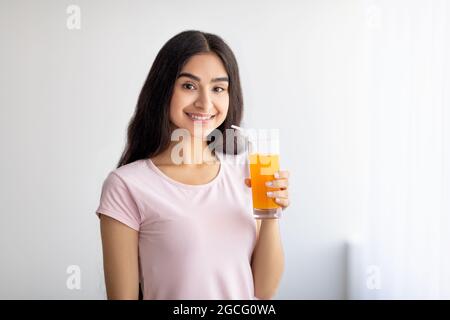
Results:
x,y
127,178
237,163
130,172
119,198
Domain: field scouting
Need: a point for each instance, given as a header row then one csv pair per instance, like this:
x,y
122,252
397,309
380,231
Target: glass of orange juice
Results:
x,y
264,161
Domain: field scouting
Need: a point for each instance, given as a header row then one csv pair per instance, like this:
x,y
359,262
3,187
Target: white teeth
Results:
x,y
199,117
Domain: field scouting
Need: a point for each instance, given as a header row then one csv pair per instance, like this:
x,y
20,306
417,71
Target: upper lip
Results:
x,y
201,114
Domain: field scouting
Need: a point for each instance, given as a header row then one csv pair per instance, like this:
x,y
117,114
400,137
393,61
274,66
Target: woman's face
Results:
x,y
200,95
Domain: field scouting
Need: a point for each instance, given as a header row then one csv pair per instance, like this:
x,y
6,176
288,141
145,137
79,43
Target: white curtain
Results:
x,y
403,249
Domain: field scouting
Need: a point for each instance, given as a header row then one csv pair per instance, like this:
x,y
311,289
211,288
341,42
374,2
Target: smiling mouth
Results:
x,y
200,117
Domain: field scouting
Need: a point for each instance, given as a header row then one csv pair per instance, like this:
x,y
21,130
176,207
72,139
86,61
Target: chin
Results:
x,y
203,134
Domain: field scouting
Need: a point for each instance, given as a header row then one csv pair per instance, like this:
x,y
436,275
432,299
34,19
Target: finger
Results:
x,y
278,194
248,182
282,202
281,174
279,183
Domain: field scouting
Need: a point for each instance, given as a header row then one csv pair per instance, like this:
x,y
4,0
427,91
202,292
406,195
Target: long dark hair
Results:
x,y
149,129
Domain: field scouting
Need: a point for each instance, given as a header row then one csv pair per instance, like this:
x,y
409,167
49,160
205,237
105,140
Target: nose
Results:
x,y
204,101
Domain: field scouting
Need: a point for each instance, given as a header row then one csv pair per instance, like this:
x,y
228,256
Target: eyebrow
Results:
x,y
190,75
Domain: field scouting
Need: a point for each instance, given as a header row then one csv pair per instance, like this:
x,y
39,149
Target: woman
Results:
x,y
185,230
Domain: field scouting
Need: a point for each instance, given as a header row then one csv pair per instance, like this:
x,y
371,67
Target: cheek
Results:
x,y
223,108
177,104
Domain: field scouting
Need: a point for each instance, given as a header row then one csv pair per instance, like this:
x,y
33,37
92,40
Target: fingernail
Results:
x,y
277,175
277,199
270,194
269,183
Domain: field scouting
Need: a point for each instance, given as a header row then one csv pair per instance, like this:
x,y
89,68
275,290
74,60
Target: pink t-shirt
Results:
x,y
195,241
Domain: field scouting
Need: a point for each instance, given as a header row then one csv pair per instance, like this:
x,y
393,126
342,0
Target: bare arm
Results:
x,y
120,259
267,259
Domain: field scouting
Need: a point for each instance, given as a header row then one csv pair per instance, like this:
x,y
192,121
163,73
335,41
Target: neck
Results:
x,y
190,152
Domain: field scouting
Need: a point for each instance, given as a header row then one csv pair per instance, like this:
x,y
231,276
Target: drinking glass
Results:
x,y
264,161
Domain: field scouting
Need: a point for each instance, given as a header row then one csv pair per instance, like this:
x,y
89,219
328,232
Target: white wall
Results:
x,y
66,97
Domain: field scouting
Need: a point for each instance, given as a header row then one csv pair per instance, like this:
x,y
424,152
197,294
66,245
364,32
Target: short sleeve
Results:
x,y
117,202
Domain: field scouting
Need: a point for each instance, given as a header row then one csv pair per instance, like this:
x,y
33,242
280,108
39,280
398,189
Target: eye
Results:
x,y
188,86
220,89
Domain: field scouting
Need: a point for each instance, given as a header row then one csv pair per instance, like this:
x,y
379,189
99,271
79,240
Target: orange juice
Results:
x,y
262,169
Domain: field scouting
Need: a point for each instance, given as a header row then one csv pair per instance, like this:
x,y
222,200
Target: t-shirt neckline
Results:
x,y
153,167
